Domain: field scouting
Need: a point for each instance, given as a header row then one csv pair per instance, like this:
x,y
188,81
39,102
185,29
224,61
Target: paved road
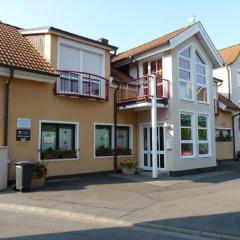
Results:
x,y
32,227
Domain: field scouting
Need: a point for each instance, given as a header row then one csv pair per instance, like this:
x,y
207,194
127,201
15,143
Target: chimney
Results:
x,y
103,40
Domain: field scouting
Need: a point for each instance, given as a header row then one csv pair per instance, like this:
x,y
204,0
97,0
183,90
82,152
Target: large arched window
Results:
x,y
184,74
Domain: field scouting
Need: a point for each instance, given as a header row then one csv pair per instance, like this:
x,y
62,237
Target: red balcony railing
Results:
x,y
82,85
140,89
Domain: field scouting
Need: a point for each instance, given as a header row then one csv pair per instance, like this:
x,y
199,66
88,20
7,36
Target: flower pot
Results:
x,y
37,182
129,171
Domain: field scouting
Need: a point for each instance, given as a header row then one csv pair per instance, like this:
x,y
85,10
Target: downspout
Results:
x,y
233,130
229,82
115,125
6,106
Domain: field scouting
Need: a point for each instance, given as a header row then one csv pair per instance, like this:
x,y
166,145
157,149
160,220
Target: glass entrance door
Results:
x,y
146,151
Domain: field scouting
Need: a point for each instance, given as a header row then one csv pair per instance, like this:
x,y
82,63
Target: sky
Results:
x,y
127,23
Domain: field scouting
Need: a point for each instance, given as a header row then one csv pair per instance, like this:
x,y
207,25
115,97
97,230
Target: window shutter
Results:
x,y
92,63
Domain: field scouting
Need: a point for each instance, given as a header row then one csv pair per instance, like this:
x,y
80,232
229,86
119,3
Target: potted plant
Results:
x,y
39,173
124,151
104,151
68,153
51,153
128,167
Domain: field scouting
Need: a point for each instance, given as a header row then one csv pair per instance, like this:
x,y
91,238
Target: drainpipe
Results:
x,y
233,130
229,82
6,106
115,124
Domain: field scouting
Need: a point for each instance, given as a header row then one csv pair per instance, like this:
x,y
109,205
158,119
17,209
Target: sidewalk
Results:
x,y
202,203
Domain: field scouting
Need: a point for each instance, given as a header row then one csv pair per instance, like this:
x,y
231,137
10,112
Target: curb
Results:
x,y
146,227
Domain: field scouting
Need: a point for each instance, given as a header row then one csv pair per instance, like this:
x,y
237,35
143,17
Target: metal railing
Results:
x,y
140,89
82,85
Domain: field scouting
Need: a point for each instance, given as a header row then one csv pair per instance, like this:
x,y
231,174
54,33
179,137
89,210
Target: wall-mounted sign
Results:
x,y
24,123
23,135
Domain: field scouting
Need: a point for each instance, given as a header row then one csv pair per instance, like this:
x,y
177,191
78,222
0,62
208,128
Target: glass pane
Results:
x,y
200,69
186,120
123,137
150,131
223,135
186,134
184,64
145,68
186,52
185,90
184,75
153,66
202,94
103,136
199,59
158,161
49,133
202,134
66,138
150,159
201,79
145,160
203,148
145,137
202,121
187,149
161,139
162,165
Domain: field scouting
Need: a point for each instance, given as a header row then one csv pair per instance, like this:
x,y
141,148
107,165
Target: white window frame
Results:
x,y
238,78
77,143
192,131
112,138
196,51
191,46
208,141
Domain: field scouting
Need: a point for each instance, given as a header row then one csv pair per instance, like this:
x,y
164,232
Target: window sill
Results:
x,y
112,156
61,159
206,103
188,157
185,99
204,155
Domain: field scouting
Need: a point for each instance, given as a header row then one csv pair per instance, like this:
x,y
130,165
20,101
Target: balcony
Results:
x,y
137,92
82,85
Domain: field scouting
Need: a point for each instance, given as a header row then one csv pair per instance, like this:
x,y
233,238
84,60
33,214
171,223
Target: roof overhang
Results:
x,y
27,75
65,34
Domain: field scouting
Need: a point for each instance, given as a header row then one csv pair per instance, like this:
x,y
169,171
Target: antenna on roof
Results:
x,y
192,19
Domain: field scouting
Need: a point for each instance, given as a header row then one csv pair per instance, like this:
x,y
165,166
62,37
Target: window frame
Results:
x,y
208,141
206,85
228,129
193,142
191,46
76,138
112,139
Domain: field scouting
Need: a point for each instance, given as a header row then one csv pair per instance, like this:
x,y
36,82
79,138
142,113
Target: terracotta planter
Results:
x,y
129,172
37,182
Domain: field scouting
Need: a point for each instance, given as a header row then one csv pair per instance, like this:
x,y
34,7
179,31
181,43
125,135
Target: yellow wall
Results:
x,y
2,86
224,150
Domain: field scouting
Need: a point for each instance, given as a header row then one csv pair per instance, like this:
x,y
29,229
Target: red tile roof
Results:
x,y
227,102
230,54
16,51
149,45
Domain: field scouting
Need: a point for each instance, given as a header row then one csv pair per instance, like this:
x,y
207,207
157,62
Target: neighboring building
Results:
x,y
224,110
67,116
183,62
230,88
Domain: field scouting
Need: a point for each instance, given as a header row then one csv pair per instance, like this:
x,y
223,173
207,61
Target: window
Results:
x,y
223,135
203,138
57,141
104,140
184,74
155,67
201,81
187,148
123,140
238,78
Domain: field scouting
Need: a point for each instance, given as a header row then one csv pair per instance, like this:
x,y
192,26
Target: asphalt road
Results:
x,y
17,226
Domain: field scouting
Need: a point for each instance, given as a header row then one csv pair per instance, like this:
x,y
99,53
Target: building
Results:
x,y
67,116
230,88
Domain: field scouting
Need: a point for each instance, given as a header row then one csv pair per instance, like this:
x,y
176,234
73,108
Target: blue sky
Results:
x,y
127,23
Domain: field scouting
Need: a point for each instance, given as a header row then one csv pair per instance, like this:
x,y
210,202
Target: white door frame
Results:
x,y
140,135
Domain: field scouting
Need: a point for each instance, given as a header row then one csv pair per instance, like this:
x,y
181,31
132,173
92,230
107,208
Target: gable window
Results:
x,y
201,81
58,140
203,136
184,74
187,146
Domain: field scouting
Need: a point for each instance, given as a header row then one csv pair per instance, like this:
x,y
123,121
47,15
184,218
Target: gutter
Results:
x,y
6,106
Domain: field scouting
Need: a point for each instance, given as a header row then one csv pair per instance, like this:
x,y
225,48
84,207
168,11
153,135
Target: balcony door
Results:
x,y
146,147
154,66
